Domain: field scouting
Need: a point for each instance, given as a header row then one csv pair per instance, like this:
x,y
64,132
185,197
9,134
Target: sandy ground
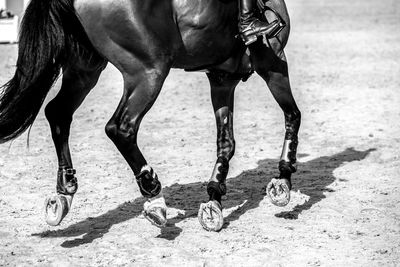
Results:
x,y
345,208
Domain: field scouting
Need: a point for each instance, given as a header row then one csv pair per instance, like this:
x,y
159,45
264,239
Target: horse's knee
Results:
x,y
297,116
225,139
226,143
294,116
292,123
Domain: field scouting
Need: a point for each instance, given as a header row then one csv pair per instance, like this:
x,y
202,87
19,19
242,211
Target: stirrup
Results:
x,y
276,27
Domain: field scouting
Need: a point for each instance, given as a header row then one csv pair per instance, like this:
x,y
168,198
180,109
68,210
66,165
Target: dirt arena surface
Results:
x,y
345,208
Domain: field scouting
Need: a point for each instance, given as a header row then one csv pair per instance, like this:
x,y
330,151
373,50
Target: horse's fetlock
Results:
x,y
226,148
216,190
67,184
148,182
217,186
295,116
292,123
287,168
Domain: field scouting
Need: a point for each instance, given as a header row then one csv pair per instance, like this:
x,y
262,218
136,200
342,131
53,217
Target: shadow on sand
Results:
x,y
249,185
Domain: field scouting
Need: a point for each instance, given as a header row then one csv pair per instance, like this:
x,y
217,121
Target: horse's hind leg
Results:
x,y
222,94
77,81
270,63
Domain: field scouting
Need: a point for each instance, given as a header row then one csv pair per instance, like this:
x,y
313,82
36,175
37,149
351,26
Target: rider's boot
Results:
x,y
251,27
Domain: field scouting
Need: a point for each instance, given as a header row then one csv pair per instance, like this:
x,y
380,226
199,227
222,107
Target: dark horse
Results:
x,y
144,40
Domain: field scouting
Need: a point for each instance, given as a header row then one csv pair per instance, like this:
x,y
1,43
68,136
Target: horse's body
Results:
x,y
192,34
143,39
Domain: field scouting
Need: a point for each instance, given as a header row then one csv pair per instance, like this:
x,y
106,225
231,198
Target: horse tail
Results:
x,y
50,32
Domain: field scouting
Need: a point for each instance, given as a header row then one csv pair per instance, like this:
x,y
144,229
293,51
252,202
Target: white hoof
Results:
x,y
155,210
278,192
56,208
210,216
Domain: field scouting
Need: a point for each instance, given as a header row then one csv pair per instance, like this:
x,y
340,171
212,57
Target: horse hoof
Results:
x,y
210,216
56,208
156,212
278,192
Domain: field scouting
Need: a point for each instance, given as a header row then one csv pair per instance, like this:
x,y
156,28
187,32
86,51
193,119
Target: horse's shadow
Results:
x,y
247,188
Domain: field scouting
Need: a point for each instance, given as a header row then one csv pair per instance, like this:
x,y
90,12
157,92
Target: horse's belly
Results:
x,y
203,49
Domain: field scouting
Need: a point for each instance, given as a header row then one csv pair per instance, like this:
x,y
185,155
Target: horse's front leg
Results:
x,y
279,188
222,94
271,65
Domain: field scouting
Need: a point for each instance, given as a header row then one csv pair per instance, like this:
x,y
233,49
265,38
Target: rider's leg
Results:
x,y
250,26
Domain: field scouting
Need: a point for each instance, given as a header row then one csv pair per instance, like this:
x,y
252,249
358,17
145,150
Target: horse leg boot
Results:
x,y
77,82
222,93
250,27
150,187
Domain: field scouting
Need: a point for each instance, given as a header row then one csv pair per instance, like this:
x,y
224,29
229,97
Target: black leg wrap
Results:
x,y
288,158
225,139
218,189
148,183
222,170
67,184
